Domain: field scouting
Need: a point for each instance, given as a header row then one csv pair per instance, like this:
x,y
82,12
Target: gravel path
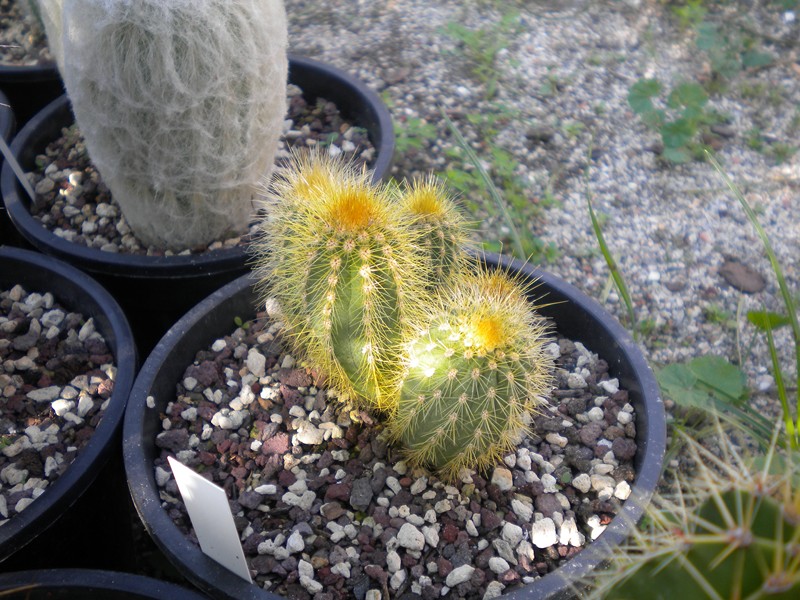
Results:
x,y
564,74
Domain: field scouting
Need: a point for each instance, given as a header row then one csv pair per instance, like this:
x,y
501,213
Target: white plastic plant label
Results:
x,y
207,505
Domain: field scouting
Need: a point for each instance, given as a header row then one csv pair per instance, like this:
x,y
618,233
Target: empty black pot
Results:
x,y
82,519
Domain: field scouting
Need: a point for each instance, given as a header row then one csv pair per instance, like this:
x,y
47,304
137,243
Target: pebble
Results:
x,y
502,478
459,575
410,537
543,533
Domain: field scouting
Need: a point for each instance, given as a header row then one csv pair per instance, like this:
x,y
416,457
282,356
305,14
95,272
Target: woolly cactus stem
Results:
x,y
181,103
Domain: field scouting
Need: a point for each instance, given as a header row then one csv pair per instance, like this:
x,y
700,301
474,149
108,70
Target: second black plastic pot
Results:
x,y
89,584
576,316
30,88
155,291
82,519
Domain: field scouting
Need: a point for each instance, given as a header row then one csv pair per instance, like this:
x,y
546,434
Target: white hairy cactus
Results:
x,y
181,103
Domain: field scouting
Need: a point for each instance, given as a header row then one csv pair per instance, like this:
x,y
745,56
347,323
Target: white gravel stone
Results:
x,y
622,490
550,483
22,504
431,536
543,533
45,394
595,414
295,543
498,565
610,386
493,590
524,510
85,404
393,561
310,434
398,579
304,501
575,381
512,534
162,476
410,537
459,575
256,362
502,478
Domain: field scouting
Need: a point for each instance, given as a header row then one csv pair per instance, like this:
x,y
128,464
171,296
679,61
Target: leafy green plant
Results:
x,y
680,122
690,13
729,52
481,48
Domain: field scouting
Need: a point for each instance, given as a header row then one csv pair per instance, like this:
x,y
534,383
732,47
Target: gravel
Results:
x,y
56,376
323,503
22,41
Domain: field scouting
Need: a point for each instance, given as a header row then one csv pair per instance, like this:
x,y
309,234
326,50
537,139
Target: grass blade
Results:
x,y
519,248
616,274
788,301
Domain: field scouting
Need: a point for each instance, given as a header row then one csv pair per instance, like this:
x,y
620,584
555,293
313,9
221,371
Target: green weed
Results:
x,y
481,48
680,122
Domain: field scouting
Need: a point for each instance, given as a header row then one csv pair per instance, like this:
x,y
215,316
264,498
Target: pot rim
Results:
x,y
82,293
92,583
368,106
635,374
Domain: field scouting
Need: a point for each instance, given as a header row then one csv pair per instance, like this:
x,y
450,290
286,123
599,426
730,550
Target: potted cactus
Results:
x,y
449,372
182,142
729,530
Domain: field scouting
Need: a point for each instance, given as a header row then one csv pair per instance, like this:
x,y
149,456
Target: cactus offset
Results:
x,y
340,258
442,227
730,532
472,376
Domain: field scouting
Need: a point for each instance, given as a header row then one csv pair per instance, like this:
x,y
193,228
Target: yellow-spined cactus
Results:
x,y
345,265
730,531
473,374
443,229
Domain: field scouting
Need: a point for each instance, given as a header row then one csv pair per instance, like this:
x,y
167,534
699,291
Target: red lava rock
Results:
x,y
286,478
449,533
207,458
277,444
291,397
294,377
207,373
377,573
510,576
339,492
445,566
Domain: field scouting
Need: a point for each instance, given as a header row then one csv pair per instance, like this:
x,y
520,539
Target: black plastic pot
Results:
x,y
8,126
30,88
82,518
87,584
576,316
156,291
